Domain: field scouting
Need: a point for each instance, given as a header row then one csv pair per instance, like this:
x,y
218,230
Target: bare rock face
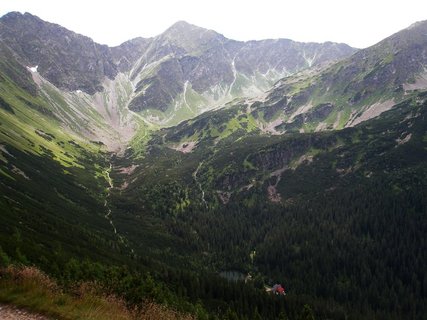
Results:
x,y
126,54
68,60
159,90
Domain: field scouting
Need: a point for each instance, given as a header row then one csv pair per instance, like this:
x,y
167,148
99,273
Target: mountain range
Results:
x,y
172,77
192,157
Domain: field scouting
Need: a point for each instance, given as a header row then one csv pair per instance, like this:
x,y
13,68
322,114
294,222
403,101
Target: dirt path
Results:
x,y
199,184
122,239
12,313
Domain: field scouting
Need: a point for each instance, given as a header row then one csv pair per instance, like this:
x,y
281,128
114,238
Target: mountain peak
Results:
x,y
11,14
418,24
181,24
180,28
17,15
189,36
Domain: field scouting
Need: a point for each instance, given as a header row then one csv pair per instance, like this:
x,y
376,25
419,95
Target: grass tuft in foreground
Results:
x,y
29,288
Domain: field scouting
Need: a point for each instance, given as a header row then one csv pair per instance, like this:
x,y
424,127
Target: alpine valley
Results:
x,y
194,172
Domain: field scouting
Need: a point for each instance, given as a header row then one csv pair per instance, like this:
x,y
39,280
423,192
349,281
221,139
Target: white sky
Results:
x,y
359,23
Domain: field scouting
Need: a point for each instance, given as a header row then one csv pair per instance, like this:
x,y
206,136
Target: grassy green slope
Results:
x,y
52,181
236,155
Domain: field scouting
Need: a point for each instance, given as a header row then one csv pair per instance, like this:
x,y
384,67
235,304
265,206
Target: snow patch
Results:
x,y
309,60
33,69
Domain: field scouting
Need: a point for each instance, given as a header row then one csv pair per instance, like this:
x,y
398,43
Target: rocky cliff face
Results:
x,y
11,68
68,60
126,54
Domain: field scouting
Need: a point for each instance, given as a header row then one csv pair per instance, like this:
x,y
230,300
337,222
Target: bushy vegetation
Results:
x,y
29,288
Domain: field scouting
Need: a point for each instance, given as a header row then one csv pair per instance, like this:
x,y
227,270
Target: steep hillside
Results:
x,y
355,89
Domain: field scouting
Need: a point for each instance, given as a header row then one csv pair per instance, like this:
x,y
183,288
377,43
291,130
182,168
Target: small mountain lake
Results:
x,y
233,275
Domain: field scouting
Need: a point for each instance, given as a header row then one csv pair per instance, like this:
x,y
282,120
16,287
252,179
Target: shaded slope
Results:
x,y
69,60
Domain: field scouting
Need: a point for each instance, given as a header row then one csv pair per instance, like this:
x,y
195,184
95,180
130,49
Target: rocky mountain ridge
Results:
x,y
176,75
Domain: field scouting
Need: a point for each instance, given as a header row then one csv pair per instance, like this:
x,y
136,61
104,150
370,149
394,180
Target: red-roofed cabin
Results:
x,y
278,289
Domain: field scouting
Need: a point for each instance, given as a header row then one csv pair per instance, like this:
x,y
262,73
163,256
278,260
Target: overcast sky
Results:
x,y
360,23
